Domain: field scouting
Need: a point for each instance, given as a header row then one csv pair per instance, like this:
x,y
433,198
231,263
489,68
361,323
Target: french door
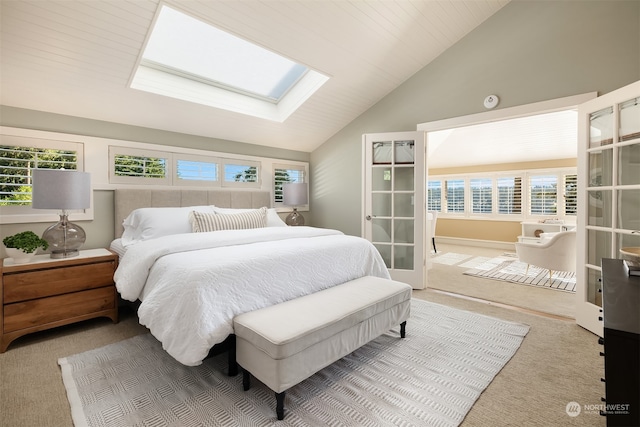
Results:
x,y
394,202
608,192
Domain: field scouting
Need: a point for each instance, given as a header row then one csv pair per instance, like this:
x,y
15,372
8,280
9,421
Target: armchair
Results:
x,y
558,253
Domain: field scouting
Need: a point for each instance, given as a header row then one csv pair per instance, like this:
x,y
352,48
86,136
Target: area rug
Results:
x,y
430,378
514,271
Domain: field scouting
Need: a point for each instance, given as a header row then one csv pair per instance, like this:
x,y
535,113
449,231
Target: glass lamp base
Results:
x,y
294,218
64,238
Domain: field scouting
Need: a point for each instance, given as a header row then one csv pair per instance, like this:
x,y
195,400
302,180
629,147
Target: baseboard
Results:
x,y
494,244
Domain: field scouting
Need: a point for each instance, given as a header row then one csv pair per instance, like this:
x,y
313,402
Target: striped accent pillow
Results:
x,y
204,221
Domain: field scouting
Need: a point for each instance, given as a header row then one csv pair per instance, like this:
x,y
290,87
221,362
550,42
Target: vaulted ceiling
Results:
x,y
76,57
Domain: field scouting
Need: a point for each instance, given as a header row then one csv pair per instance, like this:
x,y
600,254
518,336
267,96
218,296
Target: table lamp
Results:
x,y
294,194
63,190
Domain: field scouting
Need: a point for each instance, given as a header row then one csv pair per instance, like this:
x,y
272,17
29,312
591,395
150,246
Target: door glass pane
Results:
x,y
600,168
381,179
381,230
404,152
403,179
385,252
601,128
629,165
599,208
629,120
403,205
629,209
594,286
403,229
403,257
382,152
381,204
599,246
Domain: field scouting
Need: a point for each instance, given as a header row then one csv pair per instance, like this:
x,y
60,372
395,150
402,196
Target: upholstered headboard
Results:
x,y
125,201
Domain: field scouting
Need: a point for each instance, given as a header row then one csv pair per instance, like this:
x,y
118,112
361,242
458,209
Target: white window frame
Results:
x,y
241,184
525,214
25,213
194,182
97,161
302,167
115,150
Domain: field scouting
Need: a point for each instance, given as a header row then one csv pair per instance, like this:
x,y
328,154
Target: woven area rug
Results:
x,y
430,378
514,271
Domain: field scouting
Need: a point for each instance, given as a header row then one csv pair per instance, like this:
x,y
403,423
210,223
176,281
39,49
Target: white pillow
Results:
x,y
273,219
150,223
203,222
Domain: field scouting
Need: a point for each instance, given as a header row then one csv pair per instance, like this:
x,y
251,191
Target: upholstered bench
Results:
x,y
286,343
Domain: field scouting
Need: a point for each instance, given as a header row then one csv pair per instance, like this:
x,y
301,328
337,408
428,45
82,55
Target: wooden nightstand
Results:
x,y
46,293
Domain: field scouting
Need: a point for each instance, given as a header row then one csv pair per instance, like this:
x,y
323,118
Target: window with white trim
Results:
x,y
517,196
197,170
240,173
434,195
481,195
509,195
455,195
283,173
136,166
543,194
19,156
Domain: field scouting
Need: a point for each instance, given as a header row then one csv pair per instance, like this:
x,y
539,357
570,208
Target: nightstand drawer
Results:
x,y
56,281
27,314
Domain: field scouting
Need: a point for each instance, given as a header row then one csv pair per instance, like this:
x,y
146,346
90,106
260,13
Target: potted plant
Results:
x,y
22,246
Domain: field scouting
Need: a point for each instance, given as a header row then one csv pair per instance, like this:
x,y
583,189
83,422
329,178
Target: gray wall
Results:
x,y
529,51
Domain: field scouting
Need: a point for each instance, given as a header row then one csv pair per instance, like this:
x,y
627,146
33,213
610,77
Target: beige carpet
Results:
x,y
557,363
451,278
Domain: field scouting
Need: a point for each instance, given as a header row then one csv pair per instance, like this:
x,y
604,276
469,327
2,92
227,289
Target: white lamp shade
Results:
x,y
61,189
295,194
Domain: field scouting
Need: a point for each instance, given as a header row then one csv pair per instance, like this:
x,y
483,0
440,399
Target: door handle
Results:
x,y
368,217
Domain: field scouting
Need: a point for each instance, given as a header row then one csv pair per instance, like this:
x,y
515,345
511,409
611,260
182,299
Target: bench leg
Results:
x,y
233,365
246,380
280,405
403,329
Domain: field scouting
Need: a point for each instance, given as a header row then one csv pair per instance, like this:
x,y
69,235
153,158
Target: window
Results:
x,y
543,195
434,196
509,195
135,166
196,171
241,173
514,196
189,59
571,194
285,173
481,195
20,155
455,195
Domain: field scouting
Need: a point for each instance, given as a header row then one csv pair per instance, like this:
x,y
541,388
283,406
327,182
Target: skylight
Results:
x,y
188,59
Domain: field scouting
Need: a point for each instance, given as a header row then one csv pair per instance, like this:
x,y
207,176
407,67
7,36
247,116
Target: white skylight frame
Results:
x,y
167,76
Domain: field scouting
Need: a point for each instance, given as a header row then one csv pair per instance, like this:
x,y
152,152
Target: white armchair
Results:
x,y
557,253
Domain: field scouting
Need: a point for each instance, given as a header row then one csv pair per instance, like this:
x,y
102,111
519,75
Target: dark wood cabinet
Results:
x,y
621,306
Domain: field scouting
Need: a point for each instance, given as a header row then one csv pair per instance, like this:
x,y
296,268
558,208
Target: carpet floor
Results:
x,y
432,377
508,269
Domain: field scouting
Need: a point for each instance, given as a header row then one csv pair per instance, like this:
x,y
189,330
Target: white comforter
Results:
x,y
193,285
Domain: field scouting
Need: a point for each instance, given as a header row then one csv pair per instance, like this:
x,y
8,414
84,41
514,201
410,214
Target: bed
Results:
x,y
195,259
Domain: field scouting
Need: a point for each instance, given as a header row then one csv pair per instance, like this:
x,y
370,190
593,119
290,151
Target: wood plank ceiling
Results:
x,y
76,57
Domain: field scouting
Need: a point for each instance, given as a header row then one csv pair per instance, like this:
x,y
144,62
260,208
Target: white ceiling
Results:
x,y
538,137
76,57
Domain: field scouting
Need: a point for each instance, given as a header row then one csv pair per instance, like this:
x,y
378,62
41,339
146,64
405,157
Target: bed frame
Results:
x,y
127,200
